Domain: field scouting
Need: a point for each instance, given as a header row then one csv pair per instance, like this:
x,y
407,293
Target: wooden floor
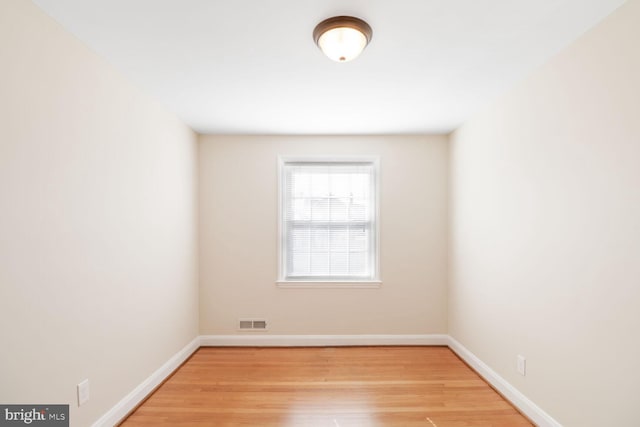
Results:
x,y
333,387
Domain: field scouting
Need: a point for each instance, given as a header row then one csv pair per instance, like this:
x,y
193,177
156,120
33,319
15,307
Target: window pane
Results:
x,y
339,236
299,239
320,183
340,186
339,263
358,263
339,209
320,209
360,185
301,183
320,239
320,264
300,210
358,211
300,264
358,240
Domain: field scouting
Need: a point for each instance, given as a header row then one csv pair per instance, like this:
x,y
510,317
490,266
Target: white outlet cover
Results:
x,y
521,365
83,392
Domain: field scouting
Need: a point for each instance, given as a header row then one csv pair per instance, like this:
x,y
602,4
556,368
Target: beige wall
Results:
x,y
98,272
98,229
238,239
546,230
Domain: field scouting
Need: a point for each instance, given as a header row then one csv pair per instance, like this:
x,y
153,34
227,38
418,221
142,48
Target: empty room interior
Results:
x,y
329,213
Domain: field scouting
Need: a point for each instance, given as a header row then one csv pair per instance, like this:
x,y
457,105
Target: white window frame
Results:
x,y
283,281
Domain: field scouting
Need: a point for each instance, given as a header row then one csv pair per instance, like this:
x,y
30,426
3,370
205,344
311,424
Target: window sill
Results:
x,y
291,284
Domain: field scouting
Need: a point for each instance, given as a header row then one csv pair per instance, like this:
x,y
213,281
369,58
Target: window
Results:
x,y
328,220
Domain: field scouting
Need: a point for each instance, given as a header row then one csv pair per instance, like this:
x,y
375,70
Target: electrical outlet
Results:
x,y
83,392
521,365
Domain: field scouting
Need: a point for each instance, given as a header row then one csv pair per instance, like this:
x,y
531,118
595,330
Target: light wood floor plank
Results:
x,y
332,387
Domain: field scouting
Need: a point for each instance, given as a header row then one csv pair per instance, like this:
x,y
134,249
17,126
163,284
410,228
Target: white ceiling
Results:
x,y
251,66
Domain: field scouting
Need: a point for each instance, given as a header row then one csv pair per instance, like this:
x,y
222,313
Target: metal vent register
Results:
x,y
252,324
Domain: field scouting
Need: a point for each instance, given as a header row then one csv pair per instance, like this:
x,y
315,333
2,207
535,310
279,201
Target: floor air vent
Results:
x,y
252,325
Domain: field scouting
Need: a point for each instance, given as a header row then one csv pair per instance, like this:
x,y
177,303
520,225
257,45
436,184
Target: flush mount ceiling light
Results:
x,y
342,38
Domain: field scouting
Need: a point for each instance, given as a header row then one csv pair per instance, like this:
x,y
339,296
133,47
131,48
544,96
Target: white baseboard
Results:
x,y
137,395
517,399
129,402
318,340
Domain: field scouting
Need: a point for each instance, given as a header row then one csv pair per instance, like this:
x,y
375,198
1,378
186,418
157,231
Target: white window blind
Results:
x,y
329,221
